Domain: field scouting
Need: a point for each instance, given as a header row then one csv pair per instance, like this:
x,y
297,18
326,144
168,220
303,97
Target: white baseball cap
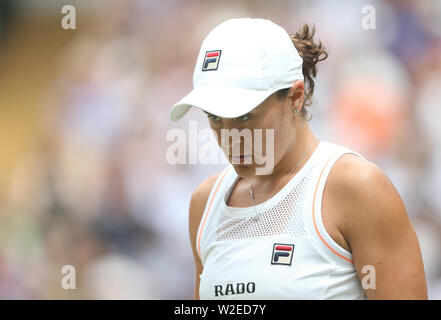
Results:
x,y
240,64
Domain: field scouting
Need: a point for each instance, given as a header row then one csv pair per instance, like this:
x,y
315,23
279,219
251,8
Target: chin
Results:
x,y
244,170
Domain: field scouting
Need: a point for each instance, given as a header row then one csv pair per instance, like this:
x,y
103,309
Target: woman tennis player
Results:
x,y
325,223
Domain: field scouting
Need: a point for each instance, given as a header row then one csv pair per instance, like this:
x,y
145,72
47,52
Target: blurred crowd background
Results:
x,y
84,179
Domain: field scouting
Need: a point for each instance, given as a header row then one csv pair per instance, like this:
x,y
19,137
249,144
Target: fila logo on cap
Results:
x,y
282,254
211,60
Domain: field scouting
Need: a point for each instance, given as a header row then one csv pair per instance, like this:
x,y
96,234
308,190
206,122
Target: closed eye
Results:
x,y
244,118
213,117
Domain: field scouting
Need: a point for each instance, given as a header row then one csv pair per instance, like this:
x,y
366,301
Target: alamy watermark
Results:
x,y
368,17
247,147
369,280
68,282
69,20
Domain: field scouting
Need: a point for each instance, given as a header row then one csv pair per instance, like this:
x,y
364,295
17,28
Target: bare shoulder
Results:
x,y
371,216
355,180
366,197
350,170
358,178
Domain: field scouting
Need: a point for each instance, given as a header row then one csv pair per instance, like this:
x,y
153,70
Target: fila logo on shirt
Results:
x,y
282,254
211,60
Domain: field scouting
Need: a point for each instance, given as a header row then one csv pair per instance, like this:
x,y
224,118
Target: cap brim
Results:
x,y
224,102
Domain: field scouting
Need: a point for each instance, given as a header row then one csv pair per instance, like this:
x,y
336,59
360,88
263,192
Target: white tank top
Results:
x,y
283,251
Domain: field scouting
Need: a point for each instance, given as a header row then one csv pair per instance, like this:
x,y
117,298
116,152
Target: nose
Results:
x,y
234,137
238,144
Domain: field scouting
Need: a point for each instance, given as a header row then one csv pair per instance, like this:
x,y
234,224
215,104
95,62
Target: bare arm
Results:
x,y
376,226
197,206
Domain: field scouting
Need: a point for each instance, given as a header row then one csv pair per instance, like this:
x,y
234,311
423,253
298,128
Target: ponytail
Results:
x,y
311,53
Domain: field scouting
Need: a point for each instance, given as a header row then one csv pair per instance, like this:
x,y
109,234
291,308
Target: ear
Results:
x,y
296,96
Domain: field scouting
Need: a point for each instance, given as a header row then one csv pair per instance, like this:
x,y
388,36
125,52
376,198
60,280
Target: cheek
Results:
x,y
224,144
217,135
282,138
265,139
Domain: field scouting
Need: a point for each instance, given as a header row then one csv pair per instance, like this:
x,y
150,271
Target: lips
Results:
x,y
240,159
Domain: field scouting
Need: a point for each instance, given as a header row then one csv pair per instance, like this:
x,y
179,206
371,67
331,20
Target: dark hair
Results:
x,y
311,53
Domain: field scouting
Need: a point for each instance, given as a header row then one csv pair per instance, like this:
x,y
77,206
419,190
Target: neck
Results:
x,y
299,150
